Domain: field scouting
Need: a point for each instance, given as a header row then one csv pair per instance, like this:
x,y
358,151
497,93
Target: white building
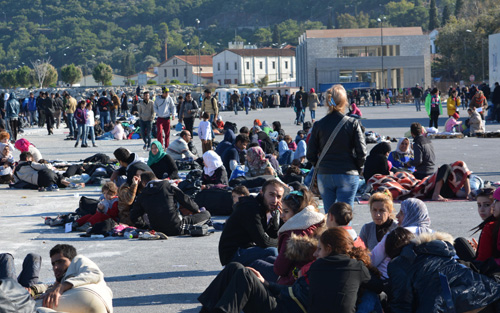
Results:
x,y
245,66
494,57
189,69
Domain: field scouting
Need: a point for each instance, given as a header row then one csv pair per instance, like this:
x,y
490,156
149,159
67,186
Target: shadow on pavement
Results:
x,y
161,275
156,300
397,123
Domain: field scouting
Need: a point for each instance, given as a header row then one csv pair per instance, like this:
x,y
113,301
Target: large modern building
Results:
x,y
385,57
190,69
494,57
246,66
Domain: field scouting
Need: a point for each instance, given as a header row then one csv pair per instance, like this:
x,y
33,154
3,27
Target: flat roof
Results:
x,y
364,32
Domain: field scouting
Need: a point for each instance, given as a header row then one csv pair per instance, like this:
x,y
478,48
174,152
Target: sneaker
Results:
x,y
52,188
144,147
84,227
41,189
95,146
148,236
74,186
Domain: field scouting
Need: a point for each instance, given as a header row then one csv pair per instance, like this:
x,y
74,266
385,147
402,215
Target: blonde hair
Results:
x,y
386,198
339,96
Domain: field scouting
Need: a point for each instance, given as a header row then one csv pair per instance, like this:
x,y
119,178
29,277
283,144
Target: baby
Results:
x,y
6,164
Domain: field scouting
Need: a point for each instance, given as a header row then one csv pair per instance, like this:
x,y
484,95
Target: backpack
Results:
x,y
97,158
87,206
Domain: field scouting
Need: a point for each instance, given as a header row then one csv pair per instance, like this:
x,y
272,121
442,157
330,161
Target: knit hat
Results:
x,y
456,116
312,90
257,122
496,194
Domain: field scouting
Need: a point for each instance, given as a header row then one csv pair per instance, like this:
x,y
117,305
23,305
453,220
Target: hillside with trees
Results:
x,y
130,35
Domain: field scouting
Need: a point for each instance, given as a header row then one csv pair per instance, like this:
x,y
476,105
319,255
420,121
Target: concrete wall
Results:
x,y
494,57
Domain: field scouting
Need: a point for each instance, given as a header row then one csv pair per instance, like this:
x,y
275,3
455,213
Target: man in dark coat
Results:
x,y
159,200
248,234
233,154
130,164
495,98
424,157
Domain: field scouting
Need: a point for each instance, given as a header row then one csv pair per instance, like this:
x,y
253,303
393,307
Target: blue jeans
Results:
x,y
417,104
113,116
212,117
337,188
146,132
313,114
104,118
266,268
31,269
72,124
247,108
235,108
286,158
90,130
248,255
81,134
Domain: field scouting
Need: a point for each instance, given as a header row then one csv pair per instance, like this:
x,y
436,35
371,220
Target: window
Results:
x,y
175,61
248,65
235,65
227,66
185,72
165,72
173,72
286,64
274,65
260,65
218,67
236,81
176,72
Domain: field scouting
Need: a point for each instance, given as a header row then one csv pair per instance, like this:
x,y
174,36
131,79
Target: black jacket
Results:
x,y
159,200
495,97
246,227
348,151
165,165
416,285
334,282
49,104
134,166
219,177
424,156
58,103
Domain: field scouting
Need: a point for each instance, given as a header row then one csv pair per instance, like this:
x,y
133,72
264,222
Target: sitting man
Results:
x,y
159,200
235,154
179,148
248,235
130,164
79,286
40,175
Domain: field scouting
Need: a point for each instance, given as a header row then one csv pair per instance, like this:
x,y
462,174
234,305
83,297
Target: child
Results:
x,y
453,125
6,163
340,215
291,144
107,208
238,192
205,133
387,100
89,124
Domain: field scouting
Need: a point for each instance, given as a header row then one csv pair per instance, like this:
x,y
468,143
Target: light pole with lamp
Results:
x,y
381,21
199,52
465,53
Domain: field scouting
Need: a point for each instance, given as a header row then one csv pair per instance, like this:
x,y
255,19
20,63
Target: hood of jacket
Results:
x,y
154,187
133,158
303,220
437,243
229,136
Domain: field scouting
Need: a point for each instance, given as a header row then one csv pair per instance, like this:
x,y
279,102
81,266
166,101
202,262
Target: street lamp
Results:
x,y
381,21
199,52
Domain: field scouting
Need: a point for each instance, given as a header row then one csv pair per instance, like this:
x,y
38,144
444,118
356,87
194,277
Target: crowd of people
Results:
x,y
281,250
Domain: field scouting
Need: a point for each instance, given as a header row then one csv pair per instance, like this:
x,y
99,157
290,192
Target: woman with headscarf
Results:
x,y
24,145
214,172
285,154
376,162
257,163
162,164
400,158
414,217
355,111
300,153
277,128
229,138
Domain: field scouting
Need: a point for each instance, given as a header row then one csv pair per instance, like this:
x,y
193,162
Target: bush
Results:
x,y
175,81
151,82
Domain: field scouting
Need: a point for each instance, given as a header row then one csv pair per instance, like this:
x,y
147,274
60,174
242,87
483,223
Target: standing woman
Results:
x,y
338,171
81,120
433,107
124,105
313,101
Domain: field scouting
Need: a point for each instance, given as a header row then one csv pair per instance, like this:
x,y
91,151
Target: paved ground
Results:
x,y
168,276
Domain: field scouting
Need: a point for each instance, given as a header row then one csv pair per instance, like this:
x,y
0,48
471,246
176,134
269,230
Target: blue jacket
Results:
x,y
12,107
31,104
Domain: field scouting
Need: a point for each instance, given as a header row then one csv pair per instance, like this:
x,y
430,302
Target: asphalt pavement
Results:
x,y
168,276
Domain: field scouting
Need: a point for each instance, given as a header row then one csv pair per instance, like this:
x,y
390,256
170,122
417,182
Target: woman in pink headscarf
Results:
x,y
24,145
355,111
257,163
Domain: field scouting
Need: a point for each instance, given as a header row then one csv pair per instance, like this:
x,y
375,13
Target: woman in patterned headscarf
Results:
x,y
257,163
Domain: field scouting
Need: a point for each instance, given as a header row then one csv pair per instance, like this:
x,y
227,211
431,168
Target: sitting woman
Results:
x,y
381,209
475,123
237,288
119,132
354,111
24,145
300,217
376,162
214,172
414,217
419,269
402,156
6,164
257,163
285,154
162,164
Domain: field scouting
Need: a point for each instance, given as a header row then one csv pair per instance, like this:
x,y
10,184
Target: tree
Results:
x,y
446,14
276,34
71,74
8,79
262,36
329,25
433,16
24,76
103,74
263,81
128,65
346,20
51,77
458,7
41,68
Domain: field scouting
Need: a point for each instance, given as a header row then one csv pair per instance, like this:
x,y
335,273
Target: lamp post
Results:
x,y
381,21
465,52
199,52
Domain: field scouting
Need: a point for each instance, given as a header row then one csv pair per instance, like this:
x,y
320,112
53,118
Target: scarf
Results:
x,y
416,215
23,145
212,162
381,230
152,159
256,158
409,150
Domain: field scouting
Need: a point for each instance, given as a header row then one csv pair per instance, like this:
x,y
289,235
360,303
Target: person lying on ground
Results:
x,y
159,200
